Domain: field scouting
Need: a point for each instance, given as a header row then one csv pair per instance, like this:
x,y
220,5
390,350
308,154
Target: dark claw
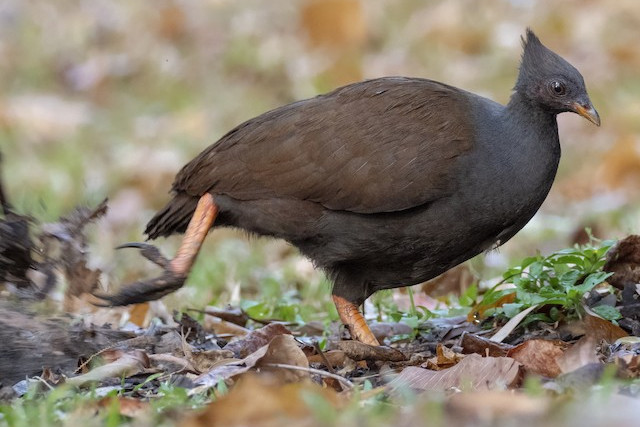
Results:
x,y
147,290
148,251
142,291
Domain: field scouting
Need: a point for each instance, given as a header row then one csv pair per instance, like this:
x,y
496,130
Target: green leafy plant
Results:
x,y
413,318
560,279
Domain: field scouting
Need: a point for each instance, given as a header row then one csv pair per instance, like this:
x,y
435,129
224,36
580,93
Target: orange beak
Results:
x,y
587,110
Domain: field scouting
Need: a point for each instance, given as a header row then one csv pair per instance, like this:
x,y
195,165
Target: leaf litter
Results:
x,y
224,353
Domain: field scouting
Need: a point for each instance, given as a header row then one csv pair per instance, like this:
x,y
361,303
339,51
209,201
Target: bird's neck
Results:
x,y
537,137
522,108
534,119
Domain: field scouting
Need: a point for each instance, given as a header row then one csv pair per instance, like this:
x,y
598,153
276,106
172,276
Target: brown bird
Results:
x,y
382,184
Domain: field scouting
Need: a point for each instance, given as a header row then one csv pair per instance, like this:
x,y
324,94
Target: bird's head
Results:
x,y
550,81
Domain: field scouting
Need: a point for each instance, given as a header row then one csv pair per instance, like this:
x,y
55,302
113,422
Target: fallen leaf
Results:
x,y
356,350
125,365
445,358
622,259
336,358
472,343
473,372
601,329
264,402
223,327
51,377
582,353
204,361
539,356
507,329
170,363
282,349
256,339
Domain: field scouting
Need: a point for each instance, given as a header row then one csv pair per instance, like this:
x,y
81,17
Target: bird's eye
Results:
x,y
558,88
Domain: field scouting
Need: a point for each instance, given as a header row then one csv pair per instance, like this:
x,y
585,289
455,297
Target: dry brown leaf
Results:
x,y
623,260
170,363
126,364
445,358
203,361
472,343
51,377
601,329
539,356
263,402
336,358
582,353
256,339
223,327
356,350
473,372
594,326
281,350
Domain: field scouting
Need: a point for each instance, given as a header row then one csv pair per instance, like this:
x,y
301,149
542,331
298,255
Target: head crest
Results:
x,y
539,62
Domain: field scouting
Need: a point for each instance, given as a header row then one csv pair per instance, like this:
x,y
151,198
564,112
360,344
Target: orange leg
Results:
x,y
197,230
175,271
354,320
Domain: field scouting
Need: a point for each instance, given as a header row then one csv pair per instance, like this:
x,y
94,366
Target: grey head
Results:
x,y
551,82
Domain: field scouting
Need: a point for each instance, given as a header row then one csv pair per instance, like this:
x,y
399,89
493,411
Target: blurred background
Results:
x,y
110,98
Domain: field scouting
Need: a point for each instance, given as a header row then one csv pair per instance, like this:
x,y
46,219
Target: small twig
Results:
x,y
343,382
322,355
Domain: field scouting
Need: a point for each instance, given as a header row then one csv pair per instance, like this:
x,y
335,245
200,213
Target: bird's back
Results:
x,y
382,145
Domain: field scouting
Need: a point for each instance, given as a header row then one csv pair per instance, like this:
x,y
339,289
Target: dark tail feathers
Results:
x,y
173,218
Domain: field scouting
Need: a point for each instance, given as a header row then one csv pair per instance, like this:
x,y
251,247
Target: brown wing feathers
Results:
x,y
332,150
